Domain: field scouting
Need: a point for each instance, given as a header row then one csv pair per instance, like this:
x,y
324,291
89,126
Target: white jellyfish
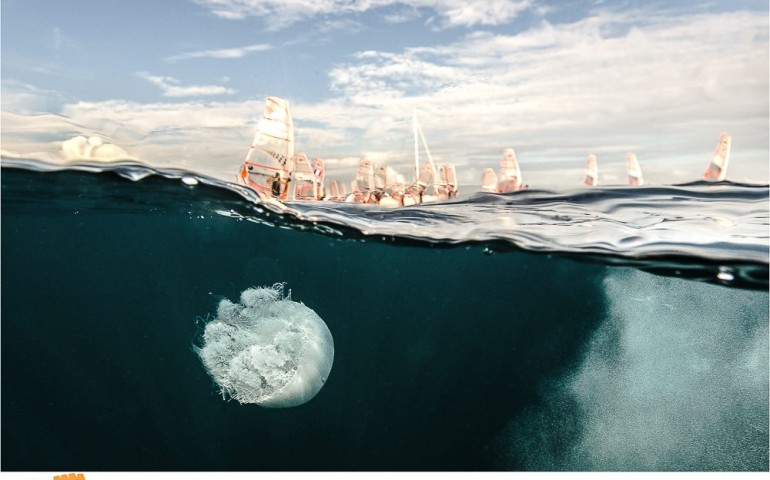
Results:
x,y
267,349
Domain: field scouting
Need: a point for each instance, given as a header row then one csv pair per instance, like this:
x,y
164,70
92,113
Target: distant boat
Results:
x,y
489,181
510,173
591,177
634,170
267,167
716,171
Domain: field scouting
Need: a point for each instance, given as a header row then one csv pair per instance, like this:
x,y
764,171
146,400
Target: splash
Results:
x,y
91,148
267,349
702,231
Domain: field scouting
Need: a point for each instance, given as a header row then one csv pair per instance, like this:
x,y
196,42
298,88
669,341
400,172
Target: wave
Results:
x,y
714,232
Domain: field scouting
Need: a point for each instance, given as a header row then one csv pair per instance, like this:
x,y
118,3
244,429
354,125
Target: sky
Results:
x,y
182,82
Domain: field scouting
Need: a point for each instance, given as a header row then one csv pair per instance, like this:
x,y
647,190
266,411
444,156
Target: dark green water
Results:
x,y
445,358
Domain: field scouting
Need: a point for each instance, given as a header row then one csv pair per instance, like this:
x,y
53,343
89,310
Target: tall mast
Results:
x,y
427,151
416,147
430,159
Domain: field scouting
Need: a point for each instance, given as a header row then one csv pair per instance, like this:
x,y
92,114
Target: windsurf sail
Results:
x,y
426,176
510,174
447,181
305,186
392,180
591,177
334,191
399,182
380,176
267,167
363,185
489,181
365,175
635,176
716,171
319,172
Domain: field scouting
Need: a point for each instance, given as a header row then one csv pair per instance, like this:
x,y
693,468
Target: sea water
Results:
x,y
603,329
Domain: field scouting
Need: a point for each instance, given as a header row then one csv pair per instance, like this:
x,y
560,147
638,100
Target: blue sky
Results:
x,y
181,82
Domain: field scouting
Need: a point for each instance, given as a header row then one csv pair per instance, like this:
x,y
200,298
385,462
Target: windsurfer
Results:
x,y
285,187
275,186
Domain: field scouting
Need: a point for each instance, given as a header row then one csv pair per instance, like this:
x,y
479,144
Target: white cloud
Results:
x,y
403,15
210,138
453,13
171,87
25,98
655,85
342,25
486,12
236,52
665,89
381,78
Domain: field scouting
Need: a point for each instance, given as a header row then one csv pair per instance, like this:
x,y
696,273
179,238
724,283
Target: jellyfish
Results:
x,y
267,349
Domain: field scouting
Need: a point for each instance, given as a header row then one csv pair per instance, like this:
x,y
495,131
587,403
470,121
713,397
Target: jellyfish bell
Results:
x,y
267,349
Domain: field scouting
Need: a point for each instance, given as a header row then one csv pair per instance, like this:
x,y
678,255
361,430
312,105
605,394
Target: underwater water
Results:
x,y
602,330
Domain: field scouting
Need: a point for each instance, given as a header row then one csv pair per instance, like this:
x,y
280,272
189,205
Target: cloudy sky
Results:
x,y
182,82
